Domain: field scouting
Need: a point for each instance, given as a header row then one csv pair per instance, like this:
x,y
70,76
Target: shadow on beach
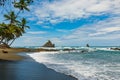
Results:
x,y
28,69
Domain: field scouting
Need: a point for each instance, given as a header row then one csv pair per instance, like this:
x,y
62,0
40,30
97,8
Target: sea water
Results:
x,y
96,64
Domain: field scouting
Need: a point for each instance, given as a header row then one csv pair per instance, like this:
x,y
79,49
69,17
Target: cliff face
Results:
x,y
48,44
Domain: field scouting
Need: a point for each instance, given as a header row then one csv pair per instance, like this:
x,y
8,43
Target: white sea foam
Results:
x,y
90,70
106,49
62,67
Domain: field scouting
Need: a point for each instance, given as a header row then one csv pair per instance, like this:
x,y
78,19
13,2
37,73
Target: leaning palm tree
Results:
x,y
15,26
2,32
9,32
4,2
11,17
21,5
17,33
23,24
20,29
6,33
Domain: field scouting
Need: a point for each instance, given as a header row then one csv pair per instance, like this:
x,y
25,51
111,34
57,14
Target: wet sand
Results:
x,y
11,53
28,69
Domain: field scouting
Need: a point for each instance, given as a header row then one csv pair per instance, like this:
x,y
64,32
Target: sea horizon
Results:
x,y
60,39
94,64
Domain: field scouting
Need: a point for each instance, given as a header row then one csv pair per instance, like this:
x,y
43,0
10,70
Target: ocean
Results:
x,y
97,63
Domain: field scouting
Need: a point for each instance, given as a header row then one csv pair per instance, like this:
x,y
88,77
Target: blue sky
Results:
x,y
72,23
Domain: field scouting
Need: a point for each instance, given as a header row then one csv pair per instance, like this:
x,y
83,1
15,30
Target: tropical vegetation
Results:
x,y
14,26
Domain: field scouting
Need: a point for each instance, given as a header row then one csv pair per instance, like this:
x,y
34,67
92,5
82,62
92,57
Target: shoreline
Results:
x,y
12,56
51,68
11,53
15,51
30,70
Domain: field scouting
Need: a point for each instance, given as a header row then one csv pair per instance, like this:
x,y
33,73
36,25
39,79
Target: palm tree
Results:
x,y
9,33
17,33
22,5
20,29
15,27
11,17
2,2
23,24
2,32
6,33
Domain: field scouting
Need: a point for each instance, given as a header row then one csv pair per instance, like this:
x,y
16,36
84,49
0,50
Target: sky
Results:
x,y
72,23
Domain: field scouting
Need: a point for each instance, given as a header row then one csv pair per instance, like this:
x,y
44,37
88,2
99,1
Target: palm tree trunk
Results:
x,y
12,41
1,40
18,13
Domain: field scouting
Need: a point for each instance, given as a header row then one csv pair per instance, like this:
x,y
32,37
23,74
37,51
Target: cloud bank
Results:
x,y
62,10
102,33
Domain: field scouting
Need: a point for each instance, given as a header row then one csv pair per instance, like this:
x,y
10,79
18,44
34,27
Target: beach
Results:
x,y
75,63
16,67
60,40
97,63
11,53
26,70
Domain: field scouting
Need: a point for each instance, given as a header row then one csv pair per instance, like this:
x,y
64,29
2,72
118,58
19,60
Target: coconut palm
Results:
x,y
2,32
23,24
20,29
6,33
15,26
21,5
4,2
9,33
17,33
11,17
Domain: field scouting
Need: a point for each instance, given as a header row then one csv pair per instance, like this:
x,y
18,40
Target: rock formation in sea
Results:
x,y
115,49
48,44
87,45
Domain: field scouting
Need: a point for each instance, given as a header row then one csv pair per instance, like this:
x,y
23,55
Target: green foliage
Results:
x,y
22,5
14,26
11,17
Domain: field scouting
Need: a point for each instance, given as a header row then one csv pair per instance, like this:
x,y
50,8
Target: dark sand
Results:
x,y
11,54
29,70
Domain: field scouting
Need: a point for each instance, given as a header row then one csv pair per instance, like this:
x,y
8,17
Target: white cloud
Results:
x,y
31,18
40,22
105,32
37,32
47,27
110,27
29,41
63,30
56,40
61,10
